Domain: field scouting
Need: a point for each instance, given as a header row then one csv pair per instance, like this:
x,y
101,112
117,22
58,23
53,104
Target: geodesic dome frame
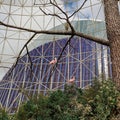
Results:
x,y
90,58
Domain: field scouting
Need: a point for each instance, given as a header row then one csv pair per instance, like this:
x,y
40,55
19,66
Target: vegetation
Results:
x,y
112,20
101,101
3,115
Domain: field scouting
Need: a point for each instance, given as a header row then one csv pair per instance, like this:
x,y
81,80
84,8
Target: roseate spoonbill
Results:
x,y
72,79
54,61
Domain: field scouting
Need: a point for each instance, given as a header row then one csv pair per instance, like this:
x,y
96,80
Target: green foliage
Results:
x,y
3,115
101,101
34,109
59,103
106,100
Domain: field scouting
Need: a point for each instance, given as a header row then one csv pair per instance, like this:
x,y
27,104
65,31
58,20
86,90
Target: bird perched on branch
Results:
x,y
54,61
72,80
66,25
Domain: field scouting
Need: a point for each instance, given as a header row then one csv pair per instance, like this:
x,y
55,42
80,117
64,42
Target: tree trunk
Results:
x,y
112,18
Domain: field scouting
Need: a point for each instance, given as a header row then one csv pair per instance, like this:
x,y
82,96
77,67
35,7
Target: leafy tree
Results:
x,y
35,109
101,101
3,115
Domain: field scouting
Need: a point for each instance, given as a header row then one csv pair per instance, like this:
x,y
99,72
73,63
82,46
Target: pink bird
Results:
x,y
72,79
54,61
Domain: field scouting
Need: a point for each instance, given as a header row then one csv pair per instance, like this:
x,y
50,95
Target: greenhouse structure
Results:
x,y
30,73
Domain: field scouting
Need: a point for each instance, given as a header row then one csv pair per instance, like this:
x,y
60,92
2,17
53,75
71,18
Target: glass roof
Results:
x,y
27,14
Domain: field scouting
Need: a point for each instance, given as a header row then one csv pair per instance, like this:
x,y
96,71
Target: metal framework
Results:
x,y
82,58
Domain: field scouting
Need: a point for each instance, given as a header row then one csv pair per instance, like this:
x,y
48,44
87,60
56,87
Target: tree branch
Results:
x,y
21,53
63,12
78,9
31,64
79,34
54,67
